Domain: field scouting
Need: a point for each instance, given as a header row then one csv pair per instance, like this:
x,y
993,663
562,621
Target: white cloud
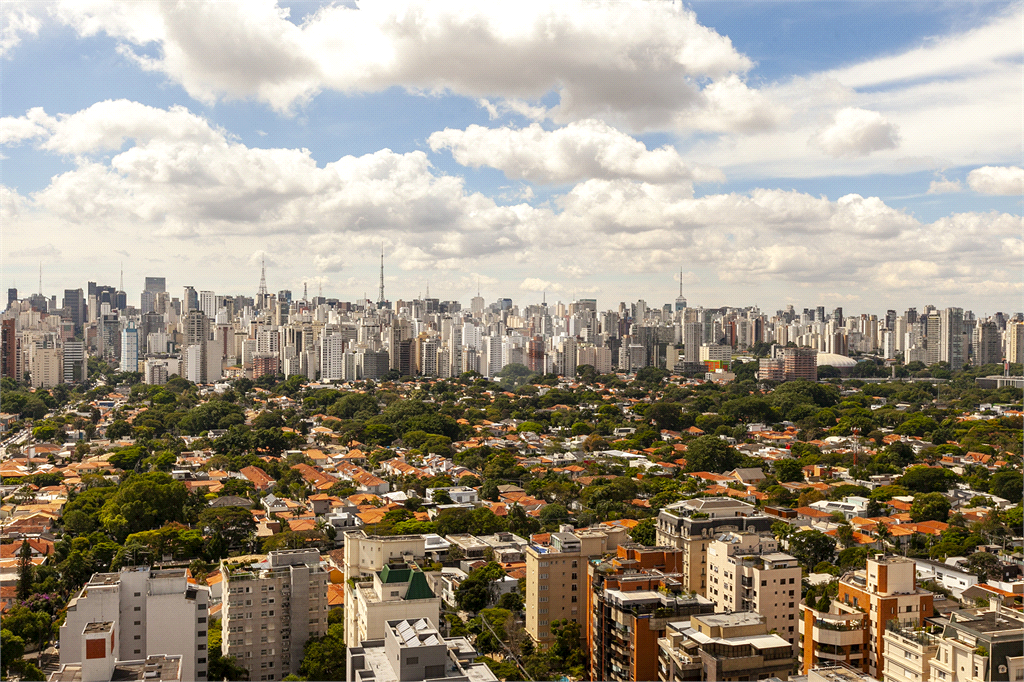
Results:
x,y
34,124
944,186
46,250
856,132
178,182
636,62
586,149
997,180
539,285
17,19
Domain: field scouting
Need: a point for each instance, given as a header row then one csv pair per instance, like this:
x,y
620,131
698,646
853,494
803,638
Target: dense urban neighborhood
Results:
x,y
627,526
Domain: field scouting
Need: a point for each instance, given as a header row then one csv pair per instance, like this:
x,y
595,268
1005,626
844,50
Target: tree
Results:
x,y
143,502
812,547
12,648
34,627
929,507
1007,484
928,480
553,513
228,527
986,566
323,658
644,532
709,453
788,471
24,571
845,534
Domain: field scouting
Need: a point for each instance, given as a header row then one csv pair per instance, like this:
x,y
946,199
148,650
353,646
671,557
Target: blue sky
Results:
x,y
766,116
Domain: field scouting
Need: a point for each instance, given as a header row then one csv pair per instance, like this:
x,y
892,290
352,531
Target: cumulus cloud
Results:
x,y
46,250
586,149
177,181
539,285
1007,180
944,186
34,124
856,132
17,19
637,62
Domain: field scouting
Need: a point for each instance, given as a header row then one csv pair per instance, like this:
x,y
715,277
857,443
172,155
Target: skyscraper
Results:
x,y
74,307
156,284
951,341
130,348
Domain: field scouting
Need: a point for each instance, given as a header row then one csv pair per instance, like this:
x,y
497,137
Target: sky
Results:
x,y
863,155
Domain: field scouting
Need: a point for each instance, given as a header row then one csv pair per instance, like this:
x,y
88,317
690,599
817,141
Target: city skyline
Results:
x,y
828,162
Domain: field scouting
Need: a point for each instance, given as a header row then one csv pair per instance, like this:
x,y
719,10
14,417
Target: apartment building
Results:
x,y
271,607
631,598
99,662
149,612
886,590
556,576
833,638
723,647
399,590
413,650
908,653
746,572
691,525
978,645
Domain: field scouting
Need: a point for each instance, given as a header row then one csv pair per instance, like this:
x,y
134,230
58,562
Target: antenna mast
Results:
x,y
380,296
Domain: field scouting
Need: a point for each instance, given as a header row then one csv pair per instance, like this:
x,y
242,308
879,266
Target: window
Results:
x,y
909,609
574,599
138,622
138,608
412,660
200,660
764,583
138,651
138,594
201,633
575,576
202,619
543,576
202,647
138,637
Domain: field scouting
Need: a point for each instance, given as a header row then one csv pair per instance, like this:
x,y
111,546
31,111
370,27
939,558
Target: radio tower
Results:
x,y
380,296
262,293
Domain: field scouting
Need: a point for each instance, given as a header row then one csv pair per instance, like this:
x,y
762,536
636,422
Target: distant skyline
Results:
x,y
863,155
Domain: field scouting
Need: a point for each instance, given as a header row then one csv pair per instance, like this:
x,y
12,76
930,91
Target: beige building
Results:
x,y
271,608
832,638
746,572
556,577
977,645
46,366
887,591
723,646
908,654
691,525
399,590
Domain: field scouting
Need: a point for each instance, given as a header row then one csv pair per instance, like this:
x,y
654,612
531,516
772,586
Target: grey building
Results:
x,y
415,650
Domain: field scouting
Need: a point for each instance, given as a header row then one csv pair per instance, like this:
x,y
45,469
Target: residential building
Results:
x,y
99,661
631,597
979,645
130,348
908,653
693,524
886,590
800,363
413,650
556,577
74,364
271,607
746,572
723,646
148,612
830,638
399,590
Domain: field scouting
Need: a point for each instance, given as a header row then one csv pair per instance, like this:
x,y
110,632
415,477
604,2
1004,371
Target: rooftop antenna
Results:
x,y
428,288
262,293
680,282
305,291
321,289
478,285
40,278
380,296
121,286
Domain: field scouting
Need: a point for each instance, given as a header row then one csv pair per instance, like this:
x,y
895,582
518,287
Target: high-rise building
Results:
x,y
9,349
156,284
12,296
74,308
150,611
988,345
74,362
801,363
271,608
693,333
830,637
130,348
556,577
724,646
692,525
1015,341
747,572
952,345
886,590
632,597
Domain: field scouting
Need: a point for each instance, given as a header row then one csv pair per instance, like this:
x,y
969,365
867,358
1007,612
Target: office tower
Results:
x,y
150,611
74,362
887,591
130,348
271,608
933,337
890,319
197,337
632,597
74,307
556,577
837,317
692,334
747,572
692,524
156,284
12,296
208,303
190,300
